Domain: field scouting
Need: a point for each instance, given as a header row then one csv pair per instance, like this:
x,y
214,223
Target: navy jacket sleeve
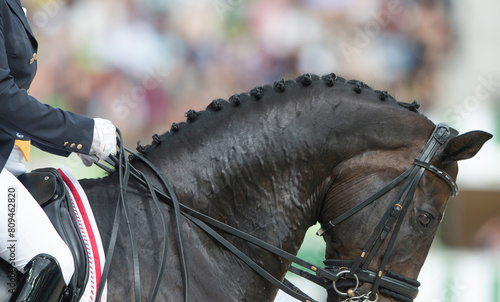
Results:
x,y
51,129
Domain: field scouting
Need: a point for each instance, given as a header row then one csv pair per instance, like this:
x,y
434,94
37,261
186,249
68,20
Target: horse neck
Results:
x,y
252,181
266,170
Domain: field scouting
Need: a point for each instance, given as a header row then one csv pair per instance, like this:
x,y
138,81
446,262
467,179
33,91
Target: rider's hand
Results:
x,y
88,159
103,143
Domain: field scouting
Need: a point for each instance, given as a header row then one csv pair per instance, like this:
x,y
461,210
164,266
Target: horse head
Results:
x,y
404,202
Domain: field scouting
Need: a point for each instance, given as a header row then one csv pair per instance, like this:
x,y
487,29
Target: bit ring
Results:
x,y
340,274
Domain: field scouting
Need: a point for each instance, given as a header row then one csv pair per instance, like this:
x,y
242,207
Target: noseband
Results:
x,y
352,272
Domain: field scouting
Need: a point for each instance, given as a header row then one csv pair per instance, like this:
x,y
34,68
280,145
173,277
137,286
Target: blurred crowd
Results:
x,y
144,63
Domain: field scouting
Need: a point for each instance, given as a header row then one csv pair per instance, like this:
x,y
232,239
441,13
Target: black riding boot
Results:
x,y
42,282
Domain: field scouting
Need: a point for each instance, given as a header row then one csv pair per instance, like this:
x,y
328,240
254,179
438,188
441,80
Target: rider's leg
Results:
x,y
33,231
30,227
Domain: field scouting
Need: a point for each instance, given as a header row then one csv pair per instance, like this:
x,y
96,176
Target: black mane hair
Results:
x,y
257,93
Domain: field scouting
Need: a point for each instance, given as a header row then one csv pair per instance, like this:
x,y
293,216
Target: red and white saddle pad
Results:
x,y
90,234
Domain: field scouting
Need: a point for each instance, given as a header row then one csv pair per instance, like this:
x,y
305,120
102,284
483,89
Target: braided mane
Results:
x,y
329,80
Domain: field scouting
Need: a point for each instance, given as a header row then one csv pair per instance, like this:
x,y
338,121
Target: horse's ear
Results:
x,y
464,146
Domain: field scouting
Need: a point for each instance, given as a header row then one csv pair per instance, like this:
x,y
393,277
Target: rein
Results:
x,y
336,272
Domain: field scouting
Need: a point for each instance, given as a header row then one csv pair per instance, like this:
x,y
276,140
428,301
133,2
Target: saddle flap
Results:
x,y
47,187
41,184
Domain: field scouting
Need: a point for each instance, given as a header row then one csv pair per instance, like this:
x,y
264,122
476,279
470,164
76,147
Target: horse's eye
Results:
x,y
424,219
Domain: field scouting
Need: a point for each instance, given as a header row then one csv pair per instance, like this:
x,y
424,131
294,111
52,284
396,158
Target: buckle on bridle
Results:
x,y
325,228
441,133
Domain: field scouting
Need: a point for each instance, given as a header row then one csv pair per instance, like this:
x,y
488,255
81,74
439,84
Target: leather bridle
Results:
x,y
392,219
337,274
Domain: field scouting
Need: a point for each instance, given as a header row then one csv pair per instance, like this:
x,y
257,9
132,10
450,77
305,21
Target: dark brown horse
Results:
x,y
272,163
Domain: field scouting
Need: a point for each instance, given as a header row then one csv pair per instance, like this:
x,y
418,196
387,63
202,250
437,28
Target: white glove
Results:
x,y
88,159
103,143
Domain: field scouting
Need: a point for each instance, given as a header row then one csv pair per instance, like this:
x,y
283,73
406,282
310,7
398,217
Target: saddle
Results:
x,y
47,187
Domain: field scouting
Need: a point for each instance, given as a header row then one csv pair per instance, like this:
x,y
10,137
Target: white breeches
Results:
x,y
25,230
